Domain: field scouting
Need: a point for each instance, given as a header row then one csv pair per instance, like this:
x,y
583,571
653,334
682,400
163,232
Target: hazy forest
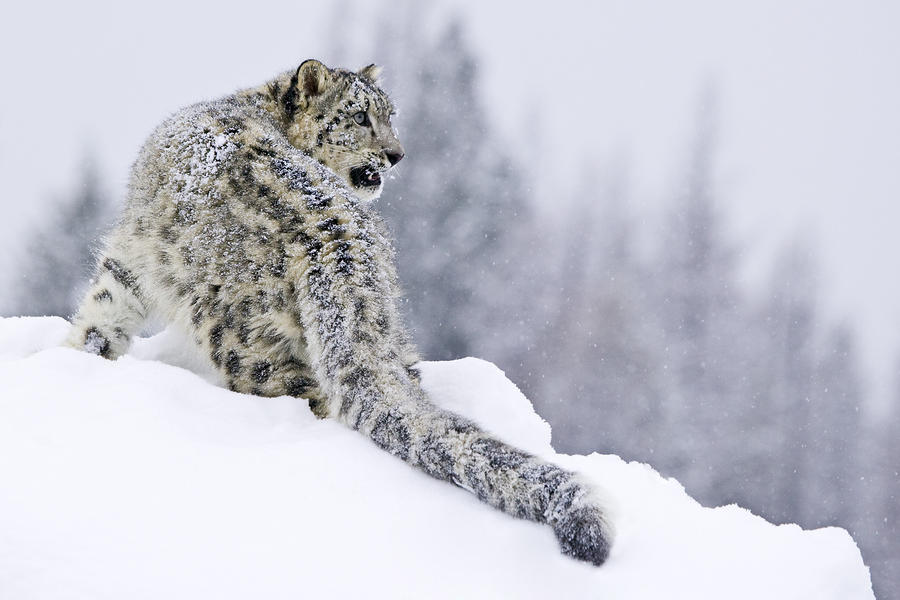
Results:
x,y
629,332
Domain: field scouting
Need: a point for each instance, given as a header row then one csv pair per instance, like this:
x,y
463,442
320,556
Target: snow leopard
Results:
x,y
249,224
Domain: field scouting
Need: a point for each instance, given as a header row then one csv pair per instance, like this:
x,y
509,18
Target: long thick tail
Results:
x,y
455,449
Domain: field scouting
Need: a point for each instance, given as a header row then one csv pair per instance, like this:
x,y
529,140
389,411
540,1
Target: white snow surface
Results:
x,y
140,478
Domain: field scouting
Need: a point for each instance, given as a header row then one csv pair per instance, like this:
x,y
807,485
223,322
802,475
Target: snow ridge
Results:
x,y
138,478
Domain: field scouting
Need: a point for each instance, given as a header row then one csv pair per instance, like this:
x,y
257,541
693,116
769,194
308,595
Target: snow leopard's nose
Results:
x,y
394,156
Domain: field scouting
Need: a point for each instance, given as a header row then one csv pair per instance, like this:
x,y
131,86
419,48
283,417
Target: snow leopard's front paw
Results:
x,y
584,533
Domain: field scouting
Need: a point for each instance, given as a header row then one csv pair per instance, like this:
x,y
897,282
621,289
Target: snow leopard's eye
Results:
x,y
361,118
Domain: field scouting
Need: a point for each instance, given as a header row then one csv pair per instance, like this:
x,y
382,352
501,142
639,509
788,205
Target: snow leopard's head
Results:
x,y
343,119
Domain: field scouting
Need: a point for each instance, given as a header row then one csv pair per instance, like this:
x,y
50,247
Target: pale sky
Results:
x,y
809,108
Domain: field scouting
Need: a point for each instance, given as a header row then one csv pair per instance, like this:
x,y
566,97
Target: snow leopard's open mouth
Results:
x,y
365,177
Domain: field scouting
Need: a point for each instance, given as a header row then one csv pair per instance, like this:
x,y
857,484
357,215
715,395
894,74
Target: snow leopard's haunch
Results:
x,y
247,225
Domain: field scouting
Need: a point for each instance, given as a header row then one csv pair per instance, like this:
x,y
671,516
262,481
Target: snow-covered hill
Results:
x,y
141,479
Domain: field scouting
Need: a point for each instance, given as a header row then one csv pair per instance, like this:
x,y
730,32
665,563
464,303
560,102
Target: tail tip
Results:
x,y
585,534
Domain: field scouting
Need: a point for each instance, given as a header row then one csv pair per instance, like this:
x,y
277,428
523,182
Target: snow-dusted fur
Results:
x,y
247,225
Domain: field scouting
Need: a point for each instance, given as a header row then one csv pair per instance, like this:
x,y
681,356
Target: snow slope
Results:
x,y
140,479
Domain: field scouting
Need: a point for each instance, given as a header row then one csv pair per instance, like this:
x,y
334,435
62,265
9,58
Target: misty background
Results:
x,y
672,227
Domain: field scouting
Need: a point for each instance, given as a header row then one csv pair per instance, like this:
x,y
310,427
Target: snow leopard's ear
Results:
x,y
312,77
371,72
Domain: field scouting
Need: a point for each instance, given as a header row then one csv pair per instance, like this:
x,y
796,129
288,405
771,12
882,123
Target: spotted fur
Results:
x,y
247,224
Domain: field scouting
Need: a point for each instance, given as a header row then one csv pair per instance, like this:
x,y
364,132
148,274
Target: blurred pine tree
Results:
x,y
57,261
